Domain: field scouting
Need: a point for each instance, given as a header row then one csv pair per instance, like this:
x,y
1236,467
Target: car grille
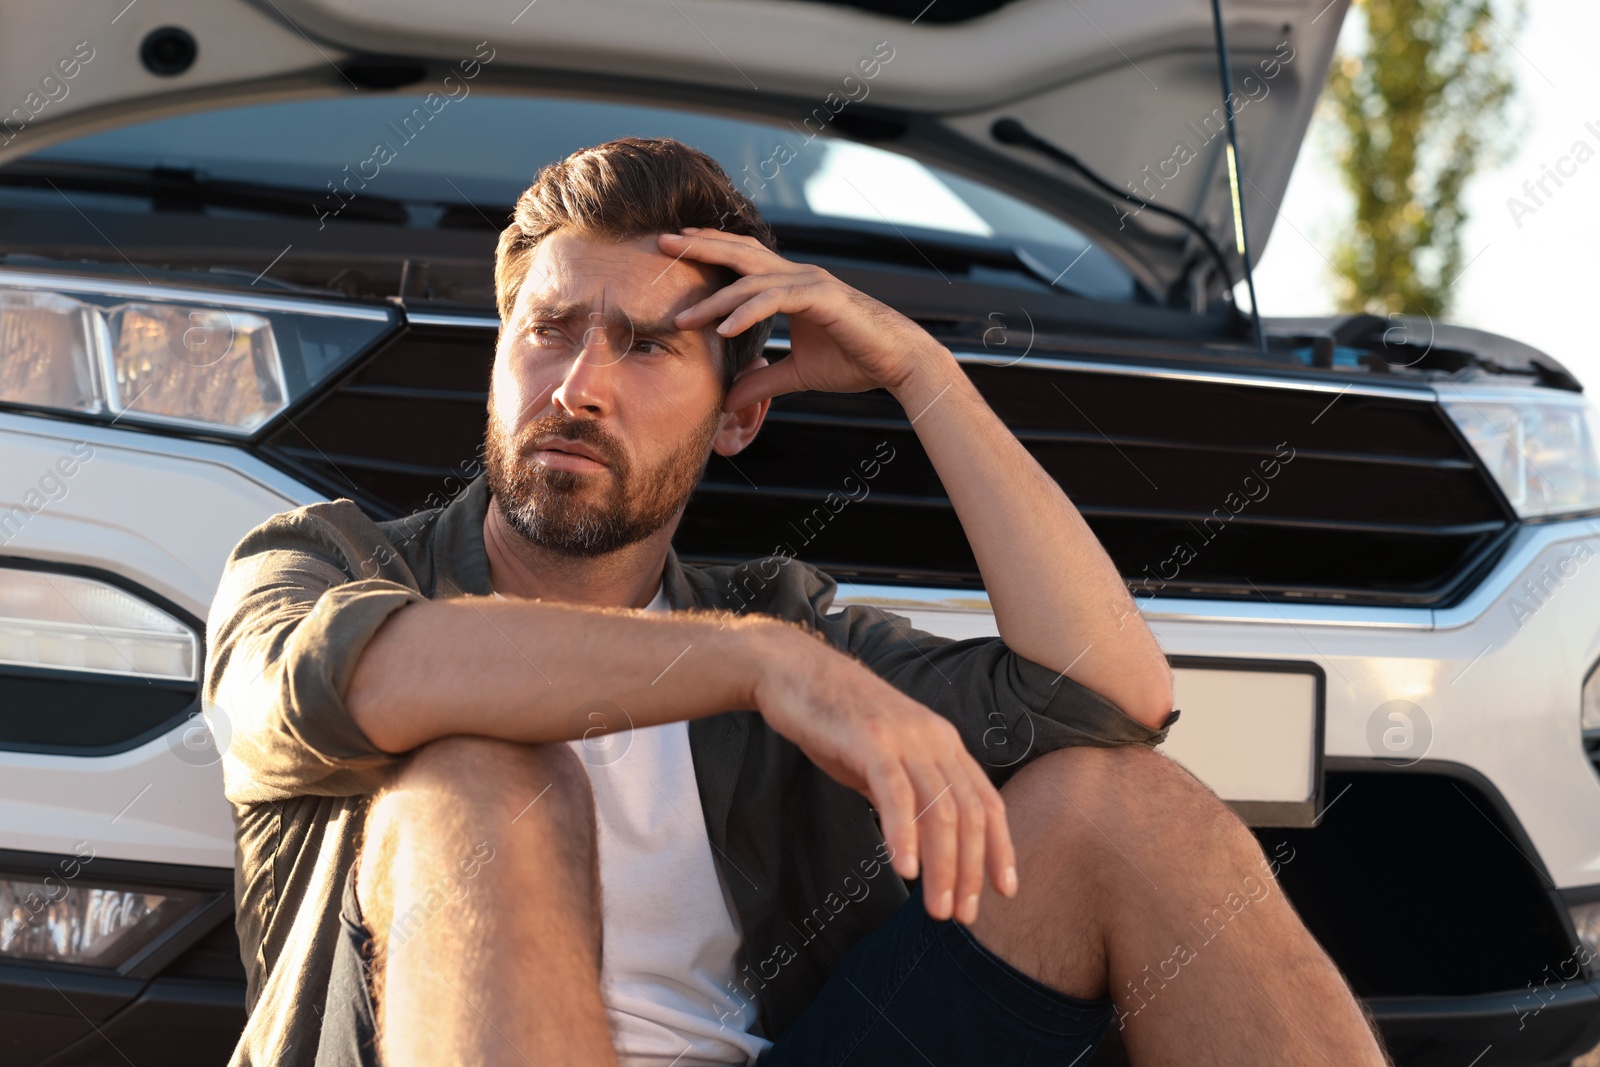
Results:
x,y
1196,484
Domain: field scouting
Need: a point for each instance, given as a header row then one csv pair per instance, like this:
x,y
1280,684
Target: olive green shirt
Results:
x,y
800,855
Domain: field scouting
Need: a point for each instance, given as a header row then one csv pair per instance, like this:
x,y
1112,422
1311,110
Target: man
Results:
x,y
491,811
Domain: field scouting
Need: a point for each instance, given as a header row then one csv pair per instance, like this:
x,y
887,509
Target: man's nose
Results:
x,y
592,374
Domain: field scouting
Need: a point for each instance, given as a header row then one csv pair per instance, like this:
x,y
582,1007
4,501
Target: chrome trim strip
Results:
x,y
1530,542
1277,613
1167,609
1139,370
444,318
1420,392
915,598
207,297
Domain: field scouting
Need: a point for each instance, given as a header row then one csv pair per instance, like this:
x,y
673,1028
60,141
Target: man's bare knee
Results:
x,y
457,804
1137,777
1125,802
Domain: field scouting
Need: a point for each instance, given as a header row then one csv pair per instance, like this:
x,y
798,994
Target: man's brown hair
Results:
x,y
626,189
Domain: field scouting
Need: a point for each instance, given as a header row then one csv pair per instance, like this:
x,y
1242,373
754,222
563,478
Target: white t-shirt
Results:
x,y
667,967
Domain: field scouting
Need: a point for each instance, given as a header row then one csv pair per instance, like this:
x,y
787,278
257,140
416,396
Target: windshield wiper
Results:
x,y
183,189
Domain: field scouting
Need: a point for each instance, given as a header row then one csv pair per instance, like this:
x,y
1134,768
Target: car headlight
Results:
x,y
1538,444
147,353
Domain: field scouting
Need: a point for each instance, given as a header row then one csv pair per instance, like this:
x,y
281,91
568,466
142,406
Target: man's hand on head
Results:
x,y
841,340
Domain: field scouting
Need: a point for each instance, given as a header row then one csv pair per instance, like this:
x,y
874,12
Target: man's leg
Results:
x,y
478,877
1137,882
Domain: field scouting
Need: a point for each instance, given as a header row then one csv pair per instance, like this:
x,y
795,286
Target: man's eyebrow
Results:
x,y
573,311
559,311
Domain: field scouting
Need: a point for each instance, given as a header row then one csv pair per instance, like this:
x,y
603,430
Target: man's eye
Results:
x,y
649,348
542,333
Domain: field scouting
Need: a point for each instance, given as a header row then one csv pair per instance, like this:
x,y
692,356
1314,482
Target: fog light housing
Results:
x,y
57,919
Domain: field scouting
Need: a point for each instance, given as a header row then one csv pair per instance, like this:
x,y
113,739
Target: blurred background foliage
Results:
x,y
1420,94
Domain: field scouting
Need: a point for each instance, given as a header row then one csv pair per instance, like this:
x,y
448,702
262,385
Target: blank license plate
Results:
x,y
1252,735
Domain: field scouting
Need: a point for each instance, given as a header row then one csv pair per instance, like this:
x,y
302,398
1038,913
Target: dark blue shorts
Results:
x,y
913,992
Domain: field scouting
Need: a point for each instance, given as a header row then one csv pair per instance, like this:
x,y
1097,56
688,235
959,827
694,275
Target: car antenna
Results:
x,y
1240,236
1010,131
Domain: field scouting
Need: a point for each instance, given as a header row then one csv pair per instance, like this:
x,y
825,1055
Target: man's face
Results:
x,y
602,413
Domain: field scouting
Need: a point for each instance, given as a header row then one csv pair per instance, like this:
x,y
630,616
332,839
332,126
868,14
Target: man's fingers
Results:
x,y
735,293
938,826
999,853
763,383
971,841
710,246
788,299
712,231
895,799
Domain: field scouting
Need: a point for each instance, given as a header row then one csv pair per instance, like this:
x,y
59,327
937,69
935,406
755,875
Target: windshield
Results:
x,y
388,159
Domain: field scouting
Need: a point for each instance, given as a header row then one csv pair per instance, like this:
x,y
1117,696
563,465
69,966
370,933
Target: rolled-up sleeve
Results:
x,y
300,599
1008,708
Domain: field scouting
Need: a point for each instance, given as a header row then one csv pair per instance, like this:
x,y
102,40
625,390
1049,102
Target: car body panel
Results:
x,y
162,513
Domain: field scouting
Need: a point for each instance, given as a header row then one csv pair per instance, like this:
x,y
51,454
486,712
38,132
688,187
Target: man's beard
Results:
x,y
549,507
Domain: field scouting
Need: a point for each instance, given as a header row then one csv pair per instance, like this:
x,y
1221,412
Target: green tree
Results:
x,y
1418,110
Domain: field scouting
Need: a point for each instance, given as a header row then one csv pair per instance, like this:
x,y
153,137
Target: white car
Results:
x,y
245,256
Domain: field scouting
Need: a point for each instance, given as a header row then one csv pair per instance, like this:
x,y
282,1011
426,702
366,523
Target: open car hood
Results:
x,y
1129,87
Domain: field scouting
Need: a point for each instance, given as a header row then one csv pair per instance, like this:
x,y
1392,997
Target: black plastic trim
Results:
x,y
1510,826
1465,529
1463,773
1582,894
398,327
805,418
1516,1028
142,872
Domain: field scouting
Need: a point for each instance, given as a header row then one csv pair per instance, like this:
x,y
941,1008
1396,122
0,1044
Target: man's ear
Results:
x,y
738,428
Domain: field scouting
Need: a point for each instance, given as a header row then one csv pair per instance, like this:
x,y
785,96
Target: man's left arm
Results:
x,y
1058,599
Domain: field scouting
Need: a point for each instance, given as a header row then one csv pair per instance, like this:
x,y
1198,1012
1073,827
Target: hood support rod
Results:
x,y
1241,237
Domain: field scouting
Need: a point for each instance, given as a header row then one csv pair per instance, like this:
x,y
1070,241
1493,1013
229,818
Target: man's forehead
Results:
x,y
608,277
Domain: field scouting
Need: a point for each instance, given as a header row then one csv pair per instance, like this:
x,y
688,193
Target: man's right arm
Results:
x,y
532,671
326,670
